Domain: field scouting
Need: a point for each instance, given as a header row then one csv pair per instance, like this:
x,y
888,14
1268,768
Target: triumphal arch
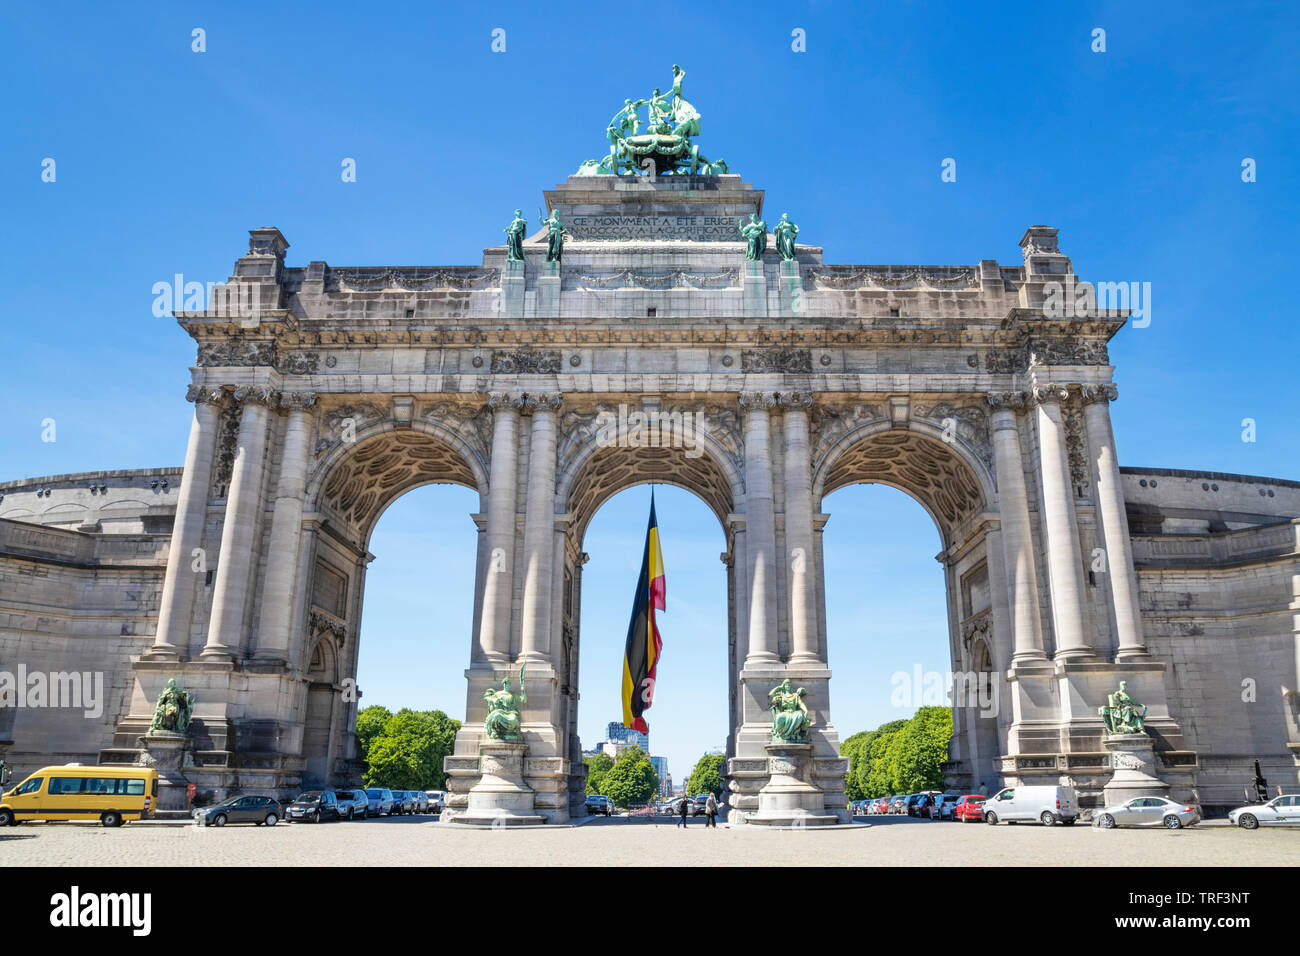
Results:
x,y
737,363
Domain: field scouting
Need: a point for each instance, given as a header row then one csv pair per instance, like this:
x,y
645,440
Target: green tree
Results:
x,y
862,771
632,779
707,776
597,767
852,747
919,751
877,782
370,724
407,751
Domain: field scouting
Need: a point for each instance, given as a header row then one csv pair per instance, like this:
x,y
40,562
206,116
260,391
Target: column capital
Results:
x,y
205,395
1007,401
1093,394
297,401
257,395
501,400
797,401
757,401
538,401
1050,394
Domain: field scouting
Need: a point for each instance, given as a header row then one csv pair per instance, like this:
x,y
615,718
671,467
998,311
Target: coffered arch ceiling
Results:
x,y
924,467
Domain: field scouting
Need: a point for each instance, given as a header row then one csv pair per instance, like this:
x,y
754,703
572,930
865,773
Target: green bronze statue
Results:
x,y
555,233
661,145
174,709
515,238
755,233
1122,714
790,720
785,231
503,720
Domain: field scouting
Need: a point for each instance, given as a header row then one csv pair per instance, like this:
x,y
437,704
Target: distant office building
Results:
x,y
665,779
615,731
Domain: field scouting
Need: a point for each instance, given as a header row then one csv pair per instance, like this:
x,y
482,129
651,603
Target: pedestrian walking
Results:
x,y
683,808
711,812
984,789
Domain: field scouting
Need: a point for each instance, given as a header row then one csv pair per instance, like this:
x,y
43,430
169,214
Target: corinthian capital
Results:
x,y
538,402
501,400
800,401
1105,392
204,395
1008,401
757,401
298,401
1044,394
257,395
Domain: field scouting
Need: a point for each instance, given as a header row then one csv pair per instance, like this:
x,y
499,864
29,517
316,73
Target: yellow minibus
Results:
x,y
110,795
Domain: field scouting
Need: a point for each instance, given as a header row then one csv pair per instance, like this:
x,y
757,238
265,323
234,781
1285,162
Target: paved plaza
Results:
x,y
620,842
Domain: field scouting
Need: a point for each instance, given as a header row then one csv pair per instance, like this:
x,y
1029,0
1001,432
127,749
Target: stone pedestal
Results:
x,y
789,798
164,750
512,290
753,284
548,290
500,798
1132,757
792,297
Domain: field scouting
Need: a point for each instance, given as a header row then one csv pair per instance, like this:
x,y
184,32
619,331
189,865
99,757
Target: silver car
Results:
x,y
1148,812
1278,812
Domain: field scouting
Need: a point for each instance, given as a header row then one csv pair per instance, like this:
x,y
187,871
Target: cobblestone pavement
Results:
x,y
414,841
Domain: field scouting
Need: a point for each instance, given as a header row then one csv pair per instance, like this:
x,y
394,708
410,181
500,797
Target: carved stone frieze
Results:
x,y
236,354
793,361
526,362
968,422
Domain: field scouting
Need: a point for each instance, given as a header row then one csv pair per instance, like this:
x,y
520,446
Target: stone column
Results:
x,y
181,582
276,621
539,530
1017,534
235,564
760,530
494,627
802,562
1114,521
1060,525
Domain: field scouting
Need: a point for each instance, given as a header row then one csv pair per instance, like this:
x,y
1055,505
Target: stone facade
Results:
x,y
322,393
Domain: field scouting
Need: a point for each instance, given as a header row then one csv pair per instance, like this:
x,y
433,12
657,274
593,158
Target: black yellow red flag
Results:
x,y
641,656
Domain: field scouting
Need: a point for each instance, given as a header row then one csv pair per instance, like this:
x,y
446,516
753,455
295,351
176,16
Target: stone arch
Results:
x,y
592,474
947,478
320,709
358,480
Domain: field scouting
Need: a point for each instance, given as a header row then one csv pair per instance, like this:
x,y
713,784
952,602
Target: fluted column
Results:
x,y
539,530
799,530
1060,525
181,581
494,626
1017,533
276,621
1114,521
235,564
760,529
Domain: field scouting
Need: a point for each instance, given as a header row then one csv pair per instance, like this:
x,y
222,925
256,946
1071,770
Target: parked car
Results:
x,y
944,804
697,804
353,804
246,809
437,800
313,805
1148,812
969,808
899,804
403,802
881,805
380,800
421,801
909,805
1278,812
598,803
1047,805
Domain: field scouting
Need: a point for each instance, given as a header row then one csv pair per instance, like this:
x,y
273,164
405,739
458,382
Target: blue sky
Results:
x,y
166,157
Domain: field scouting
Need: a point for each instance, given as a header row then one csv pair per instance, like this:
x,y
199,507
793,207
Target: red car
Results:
x,y
969,809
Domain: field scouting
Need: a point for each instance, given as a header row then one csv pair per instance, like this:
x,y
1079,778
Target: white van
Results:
x,y
1045,805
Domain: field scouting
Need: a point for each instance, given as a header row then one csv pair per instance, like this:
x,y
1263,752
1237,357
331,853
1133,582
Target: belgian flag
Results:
x,y
641,656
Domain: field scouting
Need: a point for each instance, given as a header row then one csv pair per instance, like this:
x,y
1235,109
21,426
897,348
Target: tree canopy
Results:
x,y
632,778
597,767
707,776
404,750
901,756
